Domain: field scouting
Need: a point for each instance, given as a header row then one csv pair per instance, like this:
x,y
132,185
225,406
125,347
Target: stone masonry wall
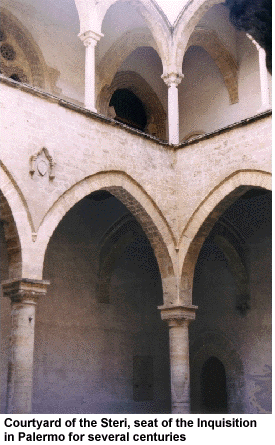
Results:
x,y
53,155
169,185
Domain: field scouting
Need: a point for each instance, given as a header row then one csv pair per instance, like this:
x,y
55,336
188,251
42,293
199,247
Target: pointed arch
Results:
x,y
154,18
91,17
214,343
227,65
185,24
12,239
119,51
32,52
207,214
156,116
18,224
137,201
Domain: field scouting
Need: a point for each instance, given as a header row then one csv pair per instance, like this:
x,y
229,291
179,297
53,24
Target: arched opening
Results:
x,y
10,267
129,57
232,288
11,240
129,109
122,16
152,109
138,202
213,387
94,350
221,82
5,322
41,62
21,58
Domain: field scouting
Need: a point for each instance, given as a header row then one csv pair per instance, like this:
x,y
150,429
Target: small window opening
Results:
x,y
129,109
213,387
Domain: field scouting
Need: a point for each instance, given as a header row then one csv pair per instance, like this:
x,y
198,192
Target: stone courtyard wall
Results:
x,y
54,154
90,153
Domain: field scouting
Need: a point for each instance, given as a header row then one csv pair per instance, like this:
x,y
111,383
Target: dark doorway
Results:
x,y
213,387
129,109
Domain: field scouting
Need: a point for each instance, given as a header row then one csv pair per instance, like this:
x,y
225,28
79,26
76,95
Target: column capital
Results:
x,y
24,290
172,78
178,315
90,37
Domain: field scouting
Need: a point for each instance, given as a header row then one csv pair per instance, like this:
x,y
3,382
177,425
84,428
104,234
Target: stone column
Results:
x,y
172,80
264,80
178,319
23,294
263,75
90,39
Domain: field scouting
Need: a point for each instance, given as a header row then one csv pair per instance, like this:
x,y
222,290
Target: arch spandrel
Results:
x,y
207,214
131,194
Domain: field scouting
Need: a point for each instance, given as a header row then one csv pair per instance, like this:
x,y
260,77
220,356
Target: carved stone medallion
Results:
x,y
42,164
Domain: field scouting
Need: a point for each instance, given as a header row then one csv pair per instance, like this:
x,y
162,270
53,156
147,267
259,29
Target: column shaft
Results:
x,y
90,39
23,294
173,114
178,319
172,80
263,79
179,367
265,101
90,76
20,371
